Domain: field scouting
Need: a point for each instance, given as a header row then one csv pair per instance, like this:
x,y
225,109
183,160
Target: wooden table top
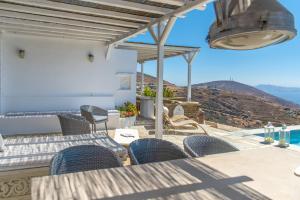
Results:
x,y
185,179
37,151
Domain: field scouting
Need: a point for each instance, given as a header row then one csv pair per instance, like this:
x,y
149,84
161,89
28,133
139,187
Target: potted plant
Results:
x,y
168,93
147,103
128,113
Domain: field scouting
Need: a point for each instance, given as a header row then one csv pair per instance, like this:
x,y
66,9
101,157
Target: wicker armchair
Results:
x,y
201,145
83,158
94,115
73,124
154,150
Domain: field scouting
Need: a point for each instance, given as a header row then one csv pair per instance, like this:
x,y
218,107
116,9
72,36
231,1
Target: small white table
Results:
x,y
126,136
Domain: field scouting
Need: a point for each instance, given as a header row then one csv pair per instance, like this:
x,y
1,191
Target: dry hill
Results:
x,y
239,105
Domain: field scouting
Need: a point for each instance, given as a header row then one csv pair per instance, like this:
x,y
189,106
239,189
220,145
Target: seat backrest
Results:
x,y
154,150
73,124
83,158
201,145
86,112
89,111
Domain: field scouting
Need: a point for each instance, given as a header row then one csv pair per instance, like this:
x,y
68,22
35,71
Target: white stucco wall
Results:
x,y
56,75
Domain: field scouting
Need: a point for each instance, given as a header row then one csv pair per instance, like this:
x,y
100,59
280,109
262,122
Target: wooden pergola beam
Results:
x,y
190,5
170,2
15,28
49,25
67,22
53,13
55,35
132,6
80,9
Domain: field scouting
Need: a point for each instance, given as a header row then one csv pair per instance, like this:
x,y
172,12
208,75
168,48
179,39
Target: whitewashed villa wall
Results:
x,y
56,75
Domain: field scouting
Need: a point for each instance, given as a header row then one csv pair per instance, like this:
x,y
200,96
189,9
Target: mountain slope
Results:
x,y
243,89
289,93
150,80
239,105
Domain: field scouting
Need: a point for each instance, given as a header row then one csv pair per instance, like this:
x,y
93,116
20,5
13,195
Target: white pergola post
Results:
x,y
189,57
1,75
163,31
142,77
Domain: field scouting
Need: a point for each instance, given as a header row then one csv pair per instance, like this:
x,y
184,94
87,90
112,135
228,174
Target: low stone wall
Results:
x,y
43,123
191,109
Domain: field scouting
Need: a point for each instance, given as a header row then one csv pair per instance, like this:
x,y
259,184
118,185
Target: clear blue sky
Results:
x,y
278,65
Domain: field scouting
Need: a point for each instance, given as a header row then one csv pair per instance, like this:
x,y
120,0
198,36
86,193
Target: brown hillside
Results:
x,y
150,80
240,105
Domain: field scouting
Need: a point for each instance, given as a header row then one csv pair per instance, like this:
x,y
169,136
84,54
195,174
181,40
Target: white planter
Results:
x,y
147,107
127,122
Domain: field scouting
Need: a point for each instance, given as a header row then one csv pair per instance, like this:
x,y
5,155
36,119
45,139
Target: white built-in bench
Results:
x,y
43,122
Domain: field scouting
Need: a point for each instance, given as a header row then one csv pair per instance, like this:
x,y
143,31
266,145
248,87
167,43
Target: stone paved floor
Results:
x,y
177,137
242,139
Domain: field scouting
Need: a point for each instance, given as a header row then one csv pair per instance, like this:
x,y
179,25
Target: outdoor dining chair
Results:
x,y
94,115
83,158
154,150
73,124
201,145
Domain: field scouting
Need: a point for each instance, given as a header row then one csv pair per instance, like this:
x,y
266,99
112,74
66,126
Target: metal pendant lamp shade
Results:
x,y
250,24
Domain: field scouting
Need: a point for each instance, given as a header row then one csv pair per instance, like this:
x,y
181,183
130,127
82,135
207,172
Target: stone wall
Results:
x,y
191,109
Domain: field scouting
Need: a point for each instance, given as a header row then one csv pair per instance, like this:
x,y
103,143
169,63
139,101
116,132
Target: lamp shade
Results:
x,y
250,24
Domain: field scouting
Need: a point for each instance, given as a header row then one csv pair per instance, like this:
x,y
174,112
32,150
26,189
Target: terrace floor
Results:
x,y
270,168
230,134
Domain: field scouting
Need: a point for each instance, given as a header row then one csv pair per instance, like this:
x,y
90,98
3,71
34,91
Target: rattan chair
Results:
x,y
201,145
154,150
83,158
94,115
73,124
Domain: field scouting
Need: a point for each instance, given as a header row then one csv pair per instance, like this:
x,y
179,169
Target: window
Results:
x,y
125,83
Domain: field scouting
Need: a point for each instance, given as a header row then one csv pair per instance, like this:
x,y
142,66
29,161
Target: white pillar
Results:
x,y
189,85
1,75
189,57
160,38
159,108
142,77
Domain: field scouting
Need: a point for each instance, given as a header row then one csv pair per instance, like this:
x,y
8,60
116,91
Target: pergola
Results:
x,y
109,21
148,52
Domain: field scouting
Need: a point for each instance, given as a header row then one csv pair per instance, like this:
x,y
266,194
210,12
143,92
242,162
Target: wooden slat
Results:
x,y
55,35
54,20
132,6
111,21
81,9
17,28
191,5
70,18
170,2
48,25
149,51
184,179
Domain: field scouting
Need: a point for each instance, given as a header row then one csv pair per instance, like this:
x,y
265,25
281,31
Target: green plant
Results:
x,y
127,110
148,92
168,93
